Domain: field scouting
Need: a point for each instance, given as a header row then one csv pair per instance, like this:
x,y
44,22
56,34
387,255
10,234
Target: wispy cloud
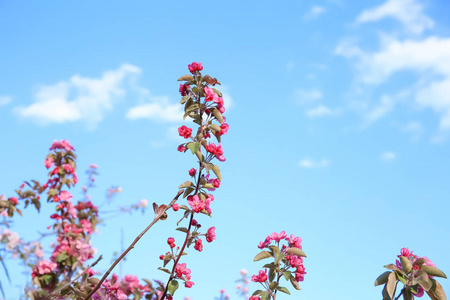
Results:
x,y
80,98
4,100
427,59
311,163
163,110
415,129
314,12
303,97
408,12
388,156
320,111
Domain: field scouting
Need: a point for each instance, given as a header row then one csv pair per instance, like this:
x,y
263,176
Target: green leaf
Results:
x,y
433,271
186,78
419,262
186,184
270,266
209,167
436,292
287,275
294,283
215,127
391,284
393,267
173,286
283,289
296,251
188,191
279,257
164,270
262,255
184,99
208,186
406,264
264,296
218,115
383,278
182,229
216,171
273,285
275,250
193,146
200,156
257,292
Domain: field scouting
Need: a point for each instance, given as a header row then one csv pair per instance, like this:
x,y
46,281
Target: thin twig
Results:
x,y
159,214
53,294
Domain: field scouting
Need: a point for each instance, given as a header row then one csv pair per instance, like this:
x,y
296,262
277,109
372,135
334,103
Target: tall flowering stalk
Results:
x,y
204,105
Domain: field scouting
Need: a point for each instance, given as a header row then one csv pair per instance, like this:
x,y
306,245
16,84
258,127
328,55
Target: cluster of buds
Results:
x,y
287,264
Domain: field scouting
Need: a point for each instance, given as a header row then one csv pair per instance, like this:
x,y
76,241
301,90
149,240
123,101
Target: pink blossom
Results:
x,y
87,226
195,203
210,95
294,241
184,89
181,270
181,148
185,131
175,206
198,245
261,277
14,200
63,144
211,234
43,267
195,67
192,172
65,196
278,237
48,162
224,128
90,272
68,168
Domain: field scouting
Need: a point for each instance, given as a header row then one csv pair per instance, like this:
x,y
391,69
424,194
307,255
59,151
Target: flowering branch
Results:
x,y
160,215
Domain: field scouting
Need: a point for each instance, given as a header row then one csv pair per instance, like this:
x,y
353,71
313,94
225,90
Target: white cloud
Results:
x,y
4,100
80,98
428,58
307,96
388,156
408,12
314,12
160,109
311,163
386,105
320,111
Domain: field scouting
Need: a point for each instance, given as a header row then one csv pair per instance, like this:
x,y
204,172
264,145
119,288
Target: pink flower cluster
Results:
x,y
185,132
217,151
291,260
185,274
113,289
63,144
405,252
194,67
261,277
43,267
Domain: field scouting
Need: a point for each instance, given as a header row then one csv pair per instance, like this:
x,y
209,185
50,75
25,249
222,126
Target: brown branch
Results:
x,y
159,213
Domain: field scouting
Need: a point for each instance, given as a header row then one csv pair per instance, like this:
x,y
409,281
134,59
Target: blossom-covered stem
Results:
x,y
185,241
179,256
159,213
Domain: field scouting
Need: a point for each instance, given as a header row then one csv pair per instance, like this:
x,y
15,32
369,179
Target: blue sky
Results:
x,y
339,121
